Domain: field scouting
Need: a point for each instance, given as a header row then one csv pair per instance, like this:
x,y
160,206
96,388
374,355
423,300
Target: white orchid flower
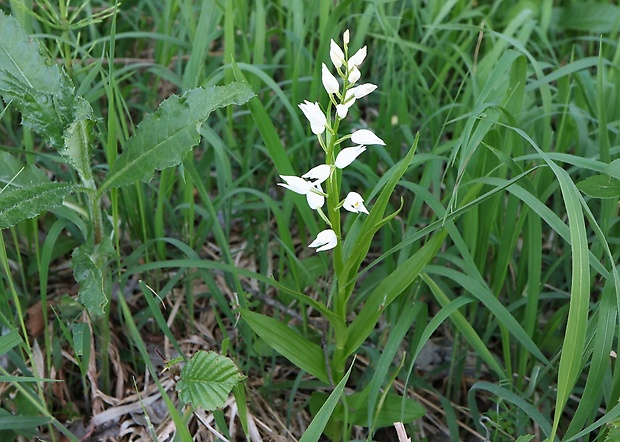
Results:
x,y
343,108
336,54
314,198
325,240
316,117
296,184
362,90
364,136
354,203
347,155
358,58
345,38
354,75
318,174
329,81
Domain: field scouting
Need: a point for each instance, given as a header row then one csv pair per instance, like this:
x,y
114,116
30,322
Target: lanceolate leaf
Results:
x,y
207,380
41,91
388,290
303,353
17,204
163,138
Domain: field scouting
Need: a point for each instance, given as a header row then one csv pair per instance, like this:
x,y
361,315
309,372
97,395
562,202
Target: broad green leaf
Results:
x,y
395,408
19,175
162,139
87,263
18,204
207,380
40,90
600,186
304,354
322,416
388,290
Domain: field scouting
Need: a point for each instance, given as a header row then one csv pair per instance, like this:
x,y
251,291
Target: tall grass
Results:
x,y
514,105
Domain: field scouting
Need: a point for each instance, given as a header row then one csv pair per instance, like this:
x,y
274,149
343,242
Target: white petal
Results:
x,y
336,54
296,184
325,240
318,174
347,155
314,199
364,136
315,116
354,75
354,203
358,58
345,38
362,90
329,81
342,110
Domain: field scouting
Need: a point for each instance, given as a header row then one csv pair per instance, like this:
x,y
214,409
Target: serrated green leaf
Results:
x,y
18,204
40,90
19,175
162,139
300,351
87,263
207,380
600,186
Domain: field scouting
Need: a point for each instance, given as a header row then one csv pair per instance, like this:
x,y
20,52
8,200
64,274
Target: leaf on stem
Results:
x,y
20,203
162,139
40,90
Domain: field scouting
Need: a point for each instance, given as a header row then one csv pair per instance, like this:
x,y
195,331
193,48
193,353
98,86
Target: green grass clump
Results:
x,y
510,329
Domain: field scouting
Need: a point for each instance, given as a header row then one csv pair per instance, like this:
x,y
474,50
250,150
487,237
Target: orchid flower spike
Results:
x,y
364,136
325,240
354,203
316,117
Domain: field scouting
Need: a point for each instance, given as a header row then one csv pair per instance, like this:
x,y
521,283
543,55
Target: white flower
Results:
x,y
362,90
296,184
364,136
316,117
318,174
354,75
358,58
325,240
343,108
345,38
315,199
336,54
354,203
347,155
329,81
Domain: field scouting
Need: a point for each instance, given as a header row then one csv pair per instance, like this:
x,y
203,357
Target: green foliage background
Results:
x,y
515,103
